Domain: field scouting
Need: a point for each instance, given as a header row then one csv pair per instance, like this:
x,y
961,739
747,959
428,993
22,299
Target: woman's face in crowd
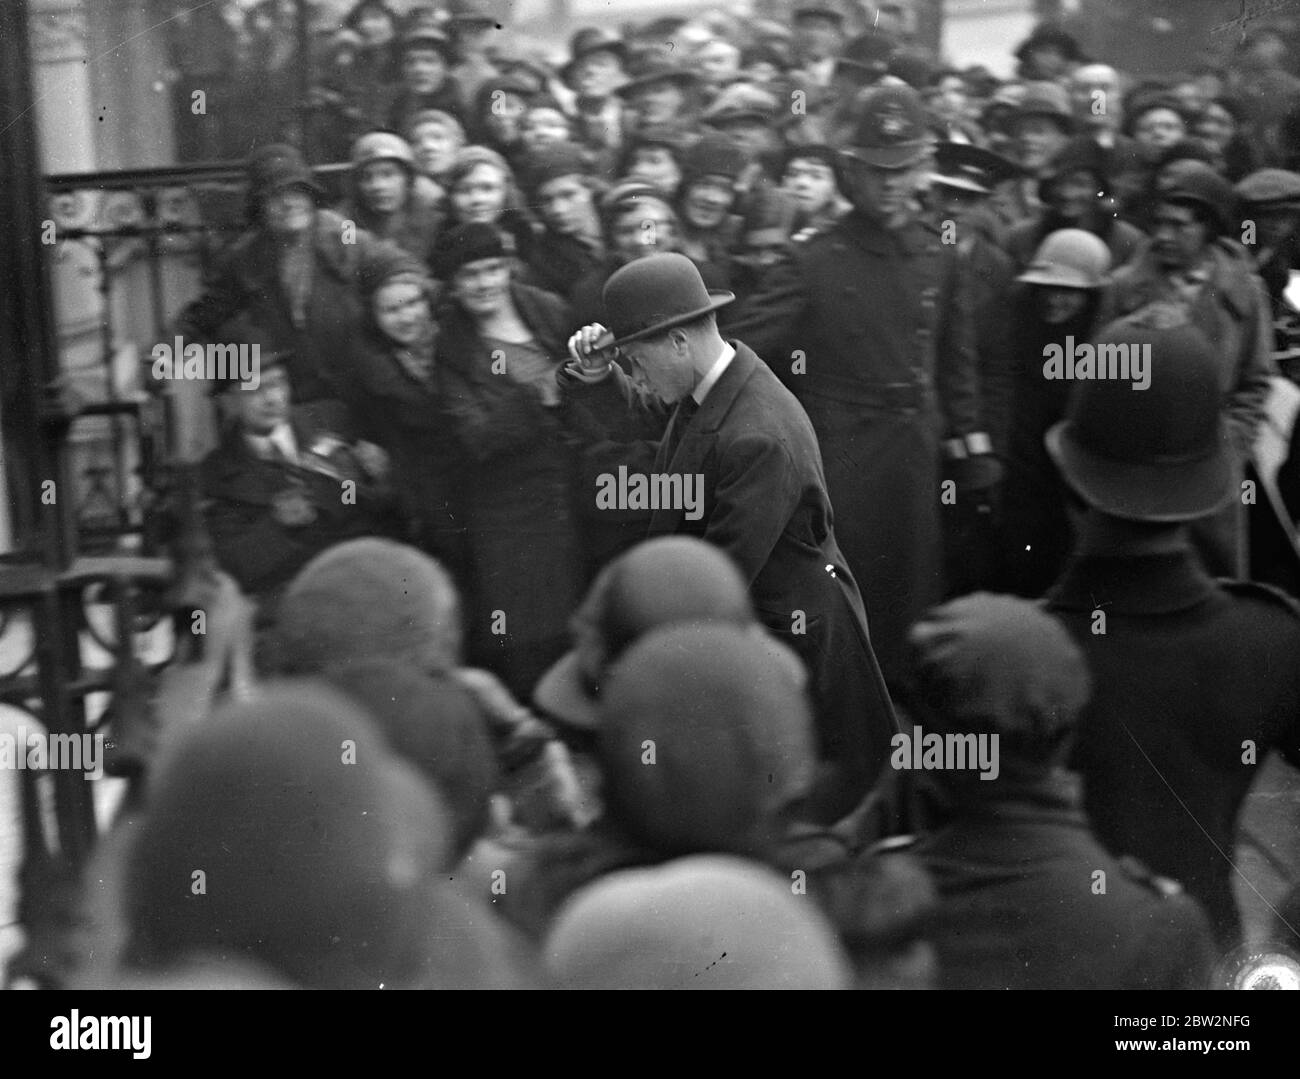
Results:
x,y
1215,127
644,230
543,127
1158,129
950,100
656,165
811,184
383,185
482,287
718,61
598,75
565,205
1038,140
659,102
505,112
402,311
1074,194
1058,305
288,211
480,195
424,70
1049,62
707,201
435,147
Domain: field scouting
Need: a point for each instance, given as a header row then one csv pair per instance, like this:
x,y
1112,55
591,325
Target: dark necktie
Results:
x,y
686,408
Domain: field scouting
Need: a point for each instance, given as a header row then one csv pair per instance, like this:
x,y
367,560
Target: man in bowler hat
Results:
x,y
1194,680
699,405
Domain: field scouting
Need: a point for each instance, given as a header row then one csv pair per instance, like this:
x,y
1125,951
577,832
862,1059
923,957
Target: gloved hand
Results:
x,y
977,473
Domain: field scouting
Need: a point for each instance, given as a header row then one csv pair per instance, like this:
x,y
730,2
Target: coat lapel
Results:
x,y
701,433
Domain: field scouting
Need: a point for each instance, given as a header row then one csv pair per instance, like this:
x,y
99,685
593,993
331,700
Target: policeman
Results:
x,y
869,323
1194,680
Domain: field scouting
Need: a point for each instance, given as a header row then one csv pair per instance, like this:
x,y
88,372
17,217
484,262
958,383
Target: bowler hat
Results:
x,y
892,128
656,293
971,168
587,42
1161,454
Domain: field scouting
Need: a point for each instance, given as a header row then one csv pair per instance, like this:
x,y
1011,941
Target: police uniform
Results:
x,y
872,331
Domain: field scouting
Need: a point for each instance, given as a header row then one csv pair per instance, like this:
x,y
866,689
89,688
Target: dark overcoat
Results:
x,y
514,493
241,490
764,502
1019,908
873,332
1187,671
246,280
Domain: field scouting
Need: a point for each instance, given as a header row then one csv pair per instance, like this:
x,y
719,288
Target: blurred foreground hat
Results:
x,y
706,922
1047,36
1161,454
663,581
283,830
368,599
724,712
434,724
1000,664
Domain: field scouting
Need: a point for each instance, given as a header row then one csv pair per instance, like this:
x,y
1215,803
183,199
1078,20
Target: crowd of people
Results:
x,y
508,731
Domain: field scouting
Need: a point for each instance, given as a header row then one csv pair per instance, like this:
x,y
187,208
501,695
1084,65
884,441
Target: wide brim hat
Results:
x,y
587,43
1162,454
562,694
658,71
656,293
971,168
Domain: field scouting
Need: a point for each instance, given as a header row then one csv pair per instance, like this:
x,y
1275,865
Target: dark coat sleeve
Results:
x,y
757,493
956,364
769,320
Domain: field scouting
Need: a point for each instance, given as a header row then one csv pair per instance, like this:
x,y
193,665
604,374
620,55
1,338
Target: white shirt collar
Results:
x,y
715,373
282,438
